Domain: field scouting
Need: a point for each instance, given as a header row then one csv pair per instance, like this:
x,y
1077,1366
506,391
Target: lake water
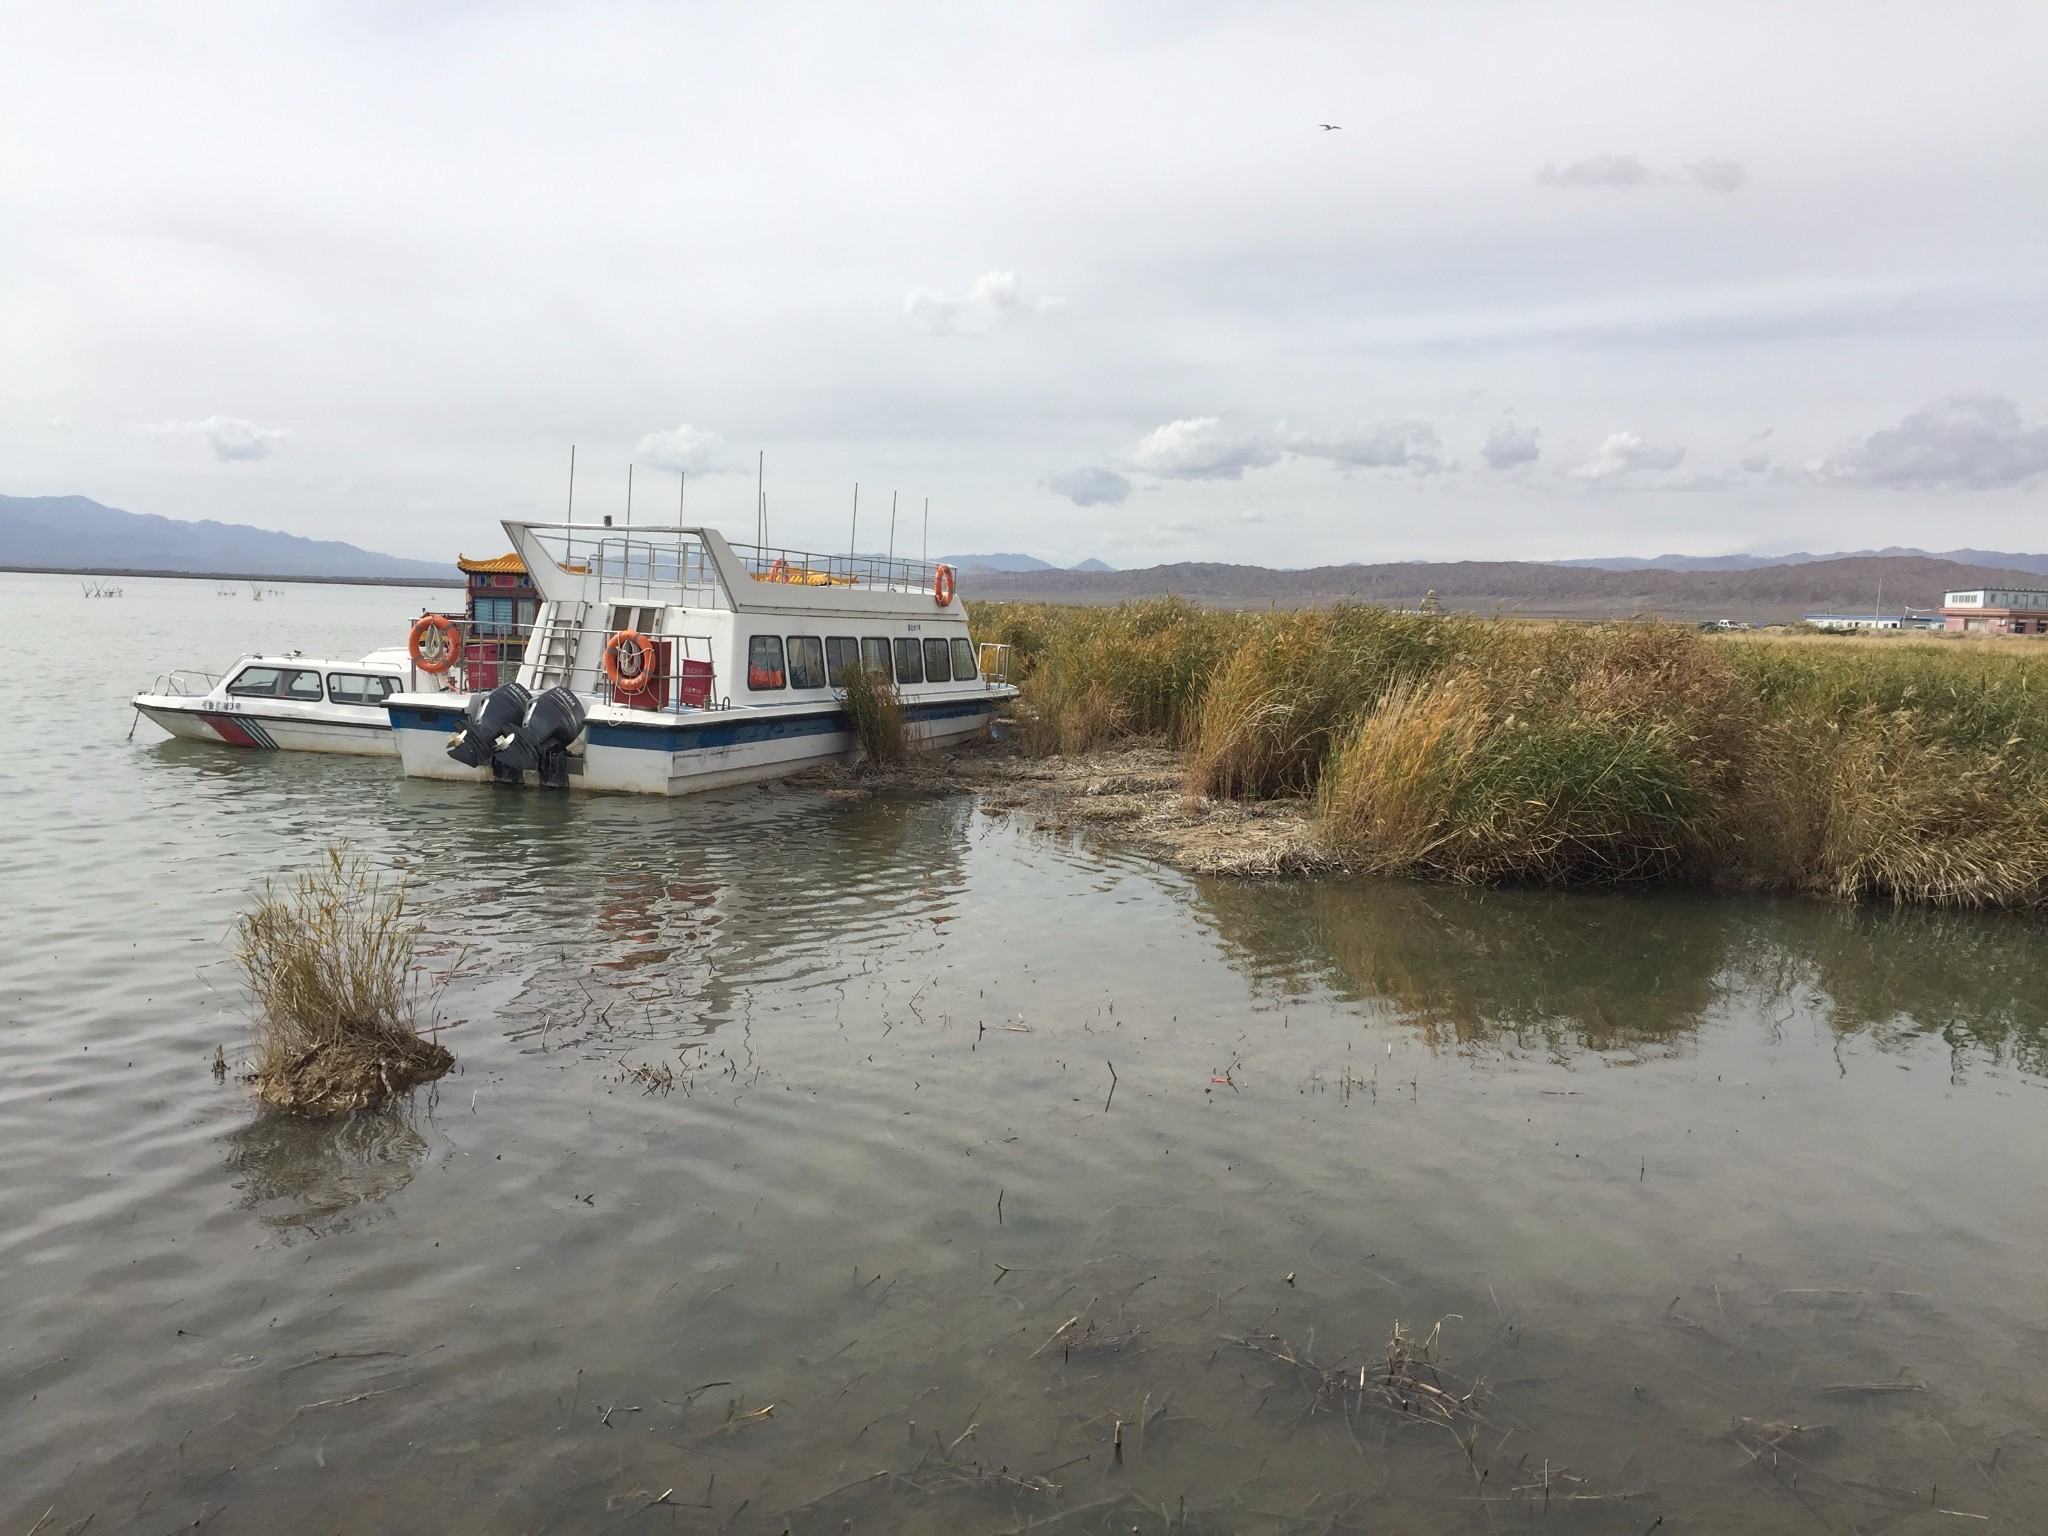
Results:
x,y
986,1150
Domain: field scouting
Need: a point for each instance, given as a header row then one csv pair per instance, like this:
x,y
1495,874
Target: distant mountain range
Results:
x,y
1993,559
1763,593
75,533
1018,563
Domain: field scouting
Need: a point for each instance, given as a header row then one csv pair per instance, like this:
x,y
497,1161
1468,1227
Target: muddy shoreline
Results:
x,y
1133,792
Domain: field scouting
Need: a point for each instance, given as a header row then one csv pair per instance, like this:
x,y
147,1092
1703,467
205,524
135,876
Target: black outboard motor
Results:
x,y
541,741
490,716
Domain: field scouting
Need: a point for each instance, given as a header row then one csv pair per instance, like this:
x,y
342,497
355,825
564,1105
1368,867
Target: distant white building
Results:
x,y
1867,621
1993,611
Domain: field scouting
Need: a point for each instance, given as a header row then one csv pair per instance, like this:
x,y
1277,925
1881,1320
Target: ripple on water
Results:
x,y
1664,1164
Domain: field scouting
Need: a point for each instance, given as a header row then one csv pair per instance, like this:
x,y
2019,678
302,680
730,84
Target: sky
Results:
x,y
1563,280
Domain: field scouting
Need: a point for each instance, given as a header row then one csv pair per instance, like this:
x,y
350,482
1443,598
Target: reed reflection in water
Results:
x,y
1614,972
323,1176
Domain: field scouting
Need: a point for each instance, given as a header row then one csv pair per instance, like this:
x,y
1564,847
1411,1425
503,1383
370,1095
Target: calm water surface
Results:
x,y
1736,1207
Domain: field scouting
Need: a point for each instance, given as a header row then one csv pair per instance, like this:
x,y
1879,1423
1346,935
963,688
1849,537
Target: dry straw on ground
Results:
x,y
329,956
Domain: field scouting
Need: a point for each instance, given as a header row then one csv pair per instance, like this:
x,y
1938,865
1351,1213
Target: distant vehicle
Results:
x,y
1720,624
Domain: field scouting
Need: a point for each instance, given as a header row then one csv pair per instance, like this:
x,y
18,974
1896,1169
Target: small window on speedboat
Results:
x,y
256,682
359,688
276,683
841,652
965,668
806,661
909,662
764,663
875,653
938,662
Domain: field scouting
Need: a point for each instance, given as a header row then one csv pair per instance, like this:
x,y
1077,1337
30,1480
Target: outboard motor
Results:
x,y
541,741
489,718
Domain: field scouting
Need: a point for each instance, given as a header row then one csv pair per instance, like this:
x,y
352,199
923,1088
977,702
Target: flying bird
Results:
x,y
1330,127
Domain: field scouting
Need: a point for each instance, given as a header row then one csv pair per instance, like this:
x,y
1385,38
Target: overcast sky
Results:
x,y
1567,279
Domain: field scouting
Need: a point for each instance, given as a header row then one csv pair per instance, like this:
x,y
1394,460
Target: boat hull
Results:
x,y
204,720
682,754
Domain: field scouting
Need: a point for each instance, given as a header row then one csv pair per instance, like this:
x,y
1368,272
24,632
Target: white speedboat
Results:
x,y
288,703
666,660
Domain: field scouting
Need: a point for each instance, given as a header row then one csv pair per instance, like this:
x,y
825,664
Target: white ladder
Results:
x,y
558,641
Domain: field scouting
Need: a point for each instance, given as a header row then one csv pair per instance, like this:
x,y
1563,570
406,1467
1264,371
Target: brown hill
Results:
x,y
1769,593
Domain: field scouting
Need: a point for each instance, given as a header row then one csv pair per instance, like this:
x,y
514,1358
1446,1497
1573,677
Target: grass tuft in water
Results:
x,y
329,956
875,712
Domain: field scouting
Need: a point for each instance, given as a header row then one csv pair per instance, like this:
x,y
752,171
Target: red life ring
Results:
x,y
943,585
641,677
434,655
779,571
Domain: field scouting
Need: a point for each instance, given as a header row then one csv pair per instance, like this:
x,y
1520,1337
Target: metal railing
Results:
x,y
994,658
186,683
658,567
804,568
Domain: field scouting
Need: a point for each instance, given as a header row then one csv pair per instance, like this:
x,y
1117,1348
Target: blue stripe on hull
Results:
x,y
718,728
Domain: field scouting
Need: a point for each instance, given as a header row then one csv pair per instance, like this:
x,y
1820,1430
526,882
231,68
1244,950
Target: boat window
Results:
x,y
256,683
357,688
302,685
965,668
909,662
806,661
764,663
938,662
841,652
876,654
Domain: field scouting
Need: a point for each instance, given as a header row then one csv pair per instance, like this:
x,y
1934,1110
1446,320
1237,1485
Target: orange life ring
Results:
x,y
641,677
779,571
434,656
942,585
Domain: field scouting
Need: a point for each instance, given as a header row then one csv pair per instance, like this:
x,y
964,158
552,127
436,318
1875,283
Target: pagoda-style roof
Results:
x,y
497,565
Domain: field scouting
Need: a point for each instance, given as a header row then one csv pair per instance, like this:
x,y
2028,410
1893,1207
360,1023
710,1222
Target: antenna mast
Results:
x,y
892,533
853,538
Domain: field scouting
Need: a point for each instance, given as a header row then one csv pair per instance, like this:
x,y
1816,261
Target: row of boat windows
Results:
x,y
806,661
303,685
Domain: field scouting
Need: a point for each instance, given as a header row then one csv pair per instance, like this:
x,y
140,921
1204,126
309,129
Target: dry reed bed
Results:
x,y
1485,751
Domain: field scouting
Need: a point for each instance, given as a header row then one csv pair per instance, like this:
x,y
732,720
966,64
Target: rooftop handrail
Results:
x,y
879,573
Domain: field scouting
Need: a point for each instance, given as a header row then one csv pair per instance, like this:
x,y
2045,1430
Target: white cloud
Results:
x,y
1756,464
994,299
1091,487
1598,171
1508,447
1409,445
1627,171
1962,443
1717,175
1625,454
232,439
681,449
58,424
1202,448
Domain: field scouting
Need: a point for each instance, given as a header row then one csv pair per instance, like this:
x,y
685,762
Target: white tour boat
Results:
x,y
666,660
288,703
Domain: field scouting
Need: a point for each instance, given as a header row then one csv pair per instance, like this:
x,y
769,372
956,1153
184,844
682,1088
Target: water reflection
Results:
x,y
304,1177
1639,973
1555,972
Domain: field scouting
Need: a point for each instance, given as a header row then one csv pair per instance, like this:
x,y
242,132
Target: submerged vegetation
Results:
x,y
329,957
1484,751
